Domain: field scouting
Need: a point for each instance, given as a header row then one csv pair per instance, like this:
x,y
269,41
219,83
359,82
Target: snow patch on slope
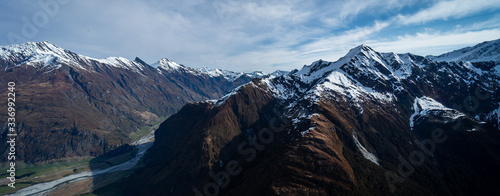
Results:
x,y
425,105
223,99
404,63
368,155
279,90
122,63
341,84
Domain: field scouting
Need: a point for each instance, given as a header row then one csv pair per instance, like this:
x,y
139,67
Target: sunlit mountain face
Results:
x,y
370,123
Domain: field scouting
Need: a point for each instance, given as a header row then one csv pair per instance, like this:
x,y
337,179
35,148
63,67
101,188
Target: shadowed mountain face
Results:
x,y
71,105
368,124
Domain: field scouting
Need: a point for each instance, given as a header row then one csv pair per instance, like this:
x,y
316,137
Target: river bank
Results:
x,y
85,182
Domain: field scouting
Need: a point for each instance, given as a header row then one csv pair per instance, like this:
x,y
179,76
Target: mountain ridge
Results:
x,y
485,51
48,54
349,128
81,106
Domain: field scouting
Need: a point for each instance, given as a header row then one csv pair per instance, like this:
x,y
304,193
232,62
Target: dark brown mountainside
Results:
x,y
368,124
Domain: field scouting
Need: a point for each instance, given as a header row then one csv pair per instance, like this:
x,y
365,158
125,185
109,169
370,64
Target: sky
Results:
x,y
264,35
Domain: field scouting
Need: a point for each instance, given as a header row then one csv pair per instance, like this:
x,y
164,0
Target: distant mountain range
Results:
x,y
486,51
370,123
71,105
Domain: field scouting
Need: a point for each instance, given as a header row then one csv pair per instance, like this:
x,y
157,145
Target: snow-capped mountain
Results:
x,y
166,64
279,73
85,106
169,66
257,74
231,75
35,52
362,125
49,56
486,51
45,54
228,75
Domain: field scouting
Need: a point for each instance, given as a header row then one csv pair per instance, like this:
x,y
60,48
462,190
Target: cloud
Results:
x,y
255,11
343,41
449,9
286,58
256,35
493,22
435,43
352,8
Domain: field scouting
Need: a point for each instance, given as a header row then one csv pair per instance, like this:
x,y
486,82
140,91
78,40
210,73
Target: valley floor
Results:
x,y
80,177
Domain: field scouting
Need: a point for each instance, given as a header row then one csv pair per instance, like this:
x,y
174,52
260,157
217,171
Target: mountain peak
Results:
x,y
363,46
36,53
137,59
365,49
167,64
46,43
33,48
362,64
165,60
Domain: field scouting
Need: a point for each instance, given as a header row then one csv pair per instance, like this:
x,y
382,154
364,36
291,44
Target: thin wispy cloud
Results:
x,y
433,43
450,9
256,35
345,40
354,8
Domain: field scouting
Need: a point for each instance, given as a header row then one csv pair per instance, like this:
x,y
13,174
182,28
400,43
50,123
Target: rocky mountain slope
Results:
x,y
71,105
486,51
368,124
